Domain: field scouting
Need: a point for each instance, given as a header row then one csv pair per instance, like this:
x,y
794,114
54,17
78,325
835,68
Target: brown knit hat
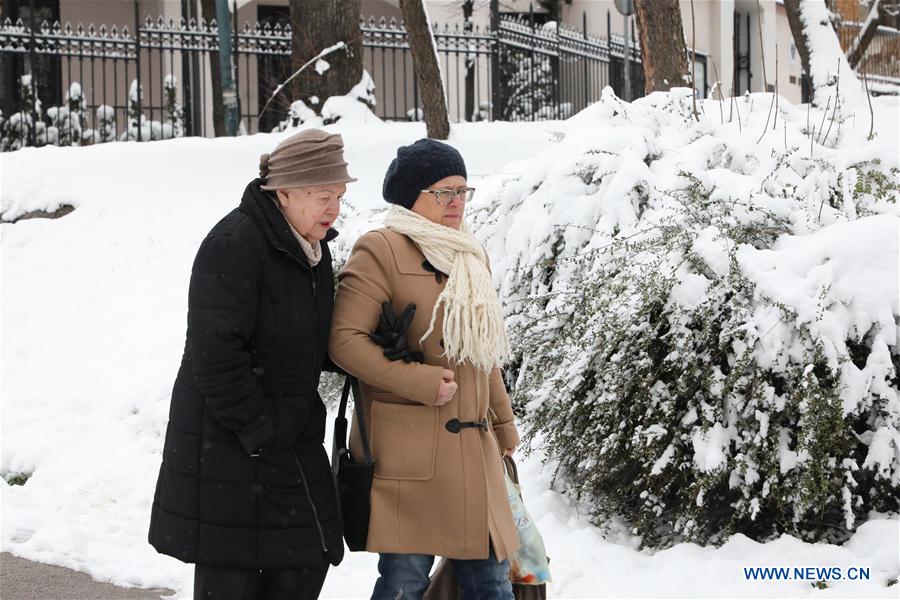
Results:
x,y
311,157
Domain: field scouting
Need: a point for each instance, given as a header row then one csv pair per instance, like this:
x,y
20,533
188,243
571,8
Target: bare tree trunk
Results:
x,y
825,63
314,27
792,8
554,7
663,51
428,73
869,28
208,8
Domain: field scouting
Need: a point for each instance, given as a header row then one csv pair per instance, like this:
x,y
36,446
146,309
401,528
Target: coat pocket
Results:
x,y
404,440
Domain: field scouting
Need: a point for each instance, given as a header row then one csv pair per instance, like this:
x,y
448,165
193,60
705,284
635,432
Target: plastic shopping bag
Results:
x,y
529,566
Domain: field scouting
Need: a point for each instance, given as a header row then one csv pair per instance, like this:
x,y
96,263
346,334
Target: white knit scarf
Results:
x,y
473,320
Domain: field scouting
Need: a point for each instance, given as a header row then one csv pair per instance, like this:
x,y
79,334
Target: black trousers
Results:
x,y
215,583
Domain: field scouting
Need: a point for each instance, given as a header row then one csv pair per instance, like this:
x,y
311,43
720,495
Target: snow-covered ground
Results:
x,y
93,318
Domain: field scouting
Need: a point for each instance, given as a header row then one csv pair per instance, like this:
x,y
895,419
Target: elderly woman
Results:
x,y
245,489
439,484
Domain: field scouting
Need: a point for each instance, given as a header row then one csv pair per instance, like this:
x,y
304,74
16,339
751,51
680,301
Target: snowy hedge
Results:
x,y
705,322
67,125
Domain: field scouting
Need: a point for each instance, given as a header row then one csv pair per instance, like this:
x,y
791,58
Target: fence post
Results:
x,y
137,54
237,79
31,134
608,31
532,76
557,71
496,93
186,70
587,91
229,96
626,60
415,116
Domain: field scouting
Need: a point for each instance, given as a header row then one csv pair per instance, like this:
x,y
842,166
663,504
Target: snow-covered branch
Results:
x,y
314,59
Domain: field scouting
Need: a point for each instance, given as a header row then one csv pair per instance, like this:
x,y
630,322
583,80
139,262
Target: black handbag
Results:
x,y
352,478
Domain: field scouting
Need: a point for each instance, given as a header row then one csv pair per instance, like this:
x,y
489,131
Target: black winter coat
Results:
x,y
245,481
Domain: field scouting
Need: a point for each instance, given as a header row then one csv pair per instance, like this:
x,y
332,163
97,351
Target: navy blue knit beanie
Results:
x,y
417,166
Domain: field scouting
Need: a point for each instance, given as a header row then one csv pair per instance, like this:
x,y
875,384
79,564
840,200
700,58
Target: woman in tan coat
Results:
x,y
439,484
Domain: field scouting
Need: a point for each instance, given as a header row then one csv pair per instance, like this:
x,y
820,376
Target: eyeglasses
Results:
x,y
445,197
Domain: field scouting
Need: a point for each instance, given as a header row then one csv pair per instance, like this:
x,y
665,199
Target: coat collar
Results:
x,y
258,203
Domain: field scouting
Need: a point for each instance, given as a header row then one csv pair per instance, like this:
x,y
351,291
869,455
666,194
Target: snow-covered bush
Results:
x,y
174,113
105,120
298,114
355,105
153,130
483,113
705,324
528,86
67,122
15,130
67,125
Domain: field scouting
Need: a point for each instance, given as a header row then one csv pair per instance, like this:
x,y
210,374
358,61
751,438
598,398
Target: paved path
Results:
x,y
22,579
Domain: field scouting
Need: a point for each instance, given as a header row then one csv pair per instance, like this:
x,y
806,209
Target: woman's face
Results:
x,y
312,210
449,215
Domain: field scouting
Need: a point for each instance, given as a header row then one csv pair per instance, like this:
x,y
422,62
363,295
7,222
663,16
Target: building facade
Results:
x,y
544,69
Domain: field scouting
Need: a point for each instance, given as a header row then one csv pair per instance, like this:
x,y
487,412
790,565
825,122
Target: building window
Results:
x,y
699,71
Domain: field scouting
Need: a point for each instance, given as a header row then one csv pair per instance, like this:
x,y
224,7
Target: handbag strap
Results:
x,y
511,469
351,383
508,463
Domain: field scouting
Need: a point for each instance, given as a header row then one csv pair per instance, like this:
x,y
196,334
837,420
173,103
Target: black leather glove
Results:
x,y
391,333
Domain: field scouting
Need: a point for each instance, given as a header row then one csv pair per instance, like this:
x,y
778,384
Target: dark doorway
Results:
x,y
743,77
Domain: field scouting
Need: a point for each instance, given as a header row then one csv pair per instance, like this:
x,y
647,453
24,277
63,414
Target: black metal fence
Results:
x,y
78,86
881,62
523,70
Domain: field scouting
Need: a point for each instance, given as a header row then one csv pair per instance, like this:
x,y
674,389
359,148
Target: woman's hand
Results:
x,y
509,451
447,389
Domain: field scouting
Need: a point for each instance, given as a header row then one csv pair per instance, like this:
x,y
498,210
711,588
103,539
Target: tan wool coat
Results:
x,y
435,492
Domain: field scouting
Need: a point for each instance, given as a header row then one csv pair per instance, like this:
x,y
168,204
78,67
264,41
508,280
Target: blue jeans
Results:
x,y
405,577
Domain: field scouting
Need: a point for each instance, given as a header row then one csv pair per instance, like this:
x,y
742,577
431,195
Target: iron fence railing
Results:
x,y
64,85
881,61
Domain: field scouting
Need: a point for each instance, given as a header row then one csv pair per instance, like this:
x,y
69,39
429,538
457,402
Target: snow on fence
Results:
x,y
518,71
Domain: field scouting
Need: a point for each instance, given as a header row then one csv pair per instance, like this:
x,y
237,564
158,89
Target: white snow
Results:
x,y
884,450
826,58
690,290
353,107
339,107
709,447
860,280
93,319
